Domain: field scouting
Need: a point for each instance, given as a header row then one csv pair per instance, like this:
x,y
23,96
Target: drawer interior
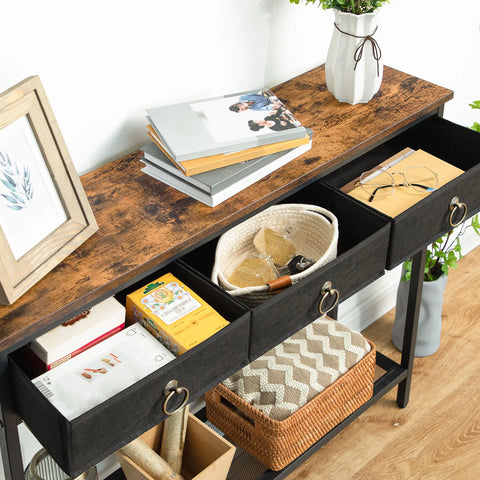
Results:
x,y
446,140
431,217
77,444
352,230
361,255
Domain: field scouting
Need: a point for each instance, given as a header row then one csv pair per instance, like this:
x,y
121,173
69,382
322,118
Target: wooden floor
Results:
x,y
437,436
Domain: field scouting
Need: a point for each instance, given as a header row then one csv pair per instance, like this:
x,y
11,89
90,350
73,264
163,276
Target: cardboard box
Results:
x,y
79,333
99,373
206,455
174,314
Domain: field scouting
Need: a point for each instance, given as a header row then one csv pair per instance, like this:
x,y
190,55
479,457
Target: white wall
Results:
x,y
102,63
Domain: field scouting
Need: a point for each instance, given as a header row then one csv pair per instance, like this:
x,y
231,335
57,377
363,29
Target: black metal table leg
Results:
x,y
411,325
9,441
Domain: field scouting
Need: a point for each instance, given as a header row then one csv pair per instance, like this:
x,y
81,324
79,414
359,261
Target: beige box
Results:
x,y
206,455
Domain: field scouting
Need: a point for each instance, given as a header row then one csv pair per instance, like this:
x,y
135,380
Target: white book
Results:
x,y
79,333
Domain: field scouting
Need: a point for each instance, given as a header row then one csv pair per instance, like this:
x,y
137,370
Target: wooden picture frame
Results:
x,y
44,211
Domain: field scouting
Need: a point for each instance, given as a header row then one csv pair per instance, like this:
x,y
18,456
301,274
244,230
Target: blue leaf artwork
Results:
x,y
17,182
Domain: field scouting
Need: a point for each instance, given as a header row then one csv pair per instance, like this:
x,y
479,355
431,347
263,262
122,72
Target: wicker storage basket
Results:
x,y
313,231
276,443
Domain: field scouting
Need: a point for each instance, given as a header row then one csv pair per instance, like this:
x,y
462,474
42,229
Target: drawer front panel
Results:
x,y
431,218
84,441
361,254
428,219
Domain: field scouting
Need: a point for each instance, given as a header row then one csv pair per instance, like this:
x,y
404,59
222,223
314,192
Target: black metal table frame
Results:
x,y
395,374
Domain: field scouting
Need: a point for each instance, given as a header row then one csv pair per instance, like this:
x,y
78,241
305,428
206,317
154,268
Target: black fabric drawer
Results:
x,y
89,438
428,219
361,253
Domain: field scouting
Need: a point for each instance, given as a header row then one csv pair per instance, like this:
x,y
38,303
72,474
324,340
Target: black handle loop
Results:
x,y
326,292
455,207
170,390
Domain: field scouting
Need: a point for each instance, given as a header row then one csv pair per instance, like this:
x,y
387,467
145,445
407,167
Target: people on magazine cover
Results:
x,y
255,101
277,122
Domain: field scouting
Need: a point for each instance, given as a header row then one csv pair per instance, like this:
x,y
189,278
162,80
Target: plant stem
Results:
x,y
443,249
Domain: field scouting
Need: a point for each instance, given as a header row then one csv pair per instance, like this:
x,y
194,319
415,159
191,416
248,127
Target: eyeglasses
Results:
x,y
380,183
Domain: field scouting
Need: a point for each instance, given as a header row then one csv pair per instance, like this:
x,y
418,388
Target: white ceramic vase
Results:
x,y
429,317
354,68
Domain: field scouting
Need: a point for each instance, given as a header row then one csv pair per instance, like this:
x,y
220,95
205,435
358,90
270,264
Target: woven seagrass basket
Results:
x,y
312,229
277,443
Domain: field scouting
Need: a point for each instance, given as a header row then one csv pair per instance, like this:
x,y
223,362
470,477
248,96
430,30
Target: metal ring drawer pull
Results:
x,y
455,206
327,291
170,390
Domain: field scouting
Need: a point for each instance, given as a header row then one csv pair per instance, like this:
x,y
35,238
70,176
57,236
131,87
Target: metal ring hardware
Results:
x,y
455,206
327,291
170,390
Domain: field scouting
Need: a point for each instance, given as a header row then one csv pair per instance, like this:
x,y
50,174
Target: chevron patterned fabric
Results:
x,y
287,377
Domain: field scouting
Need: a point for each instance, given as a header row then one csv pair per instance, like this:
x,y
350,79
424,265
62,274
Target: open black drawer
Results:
x,y
361,253
80,443
428,219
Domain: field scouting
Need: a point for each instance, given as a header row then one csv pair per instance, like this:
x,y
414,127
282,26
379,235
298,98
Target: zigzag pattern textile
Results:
x,y
287,377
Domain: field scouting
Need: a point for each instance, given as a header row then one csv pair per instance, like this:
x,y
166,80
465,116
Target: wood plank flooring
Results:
x,y
437,436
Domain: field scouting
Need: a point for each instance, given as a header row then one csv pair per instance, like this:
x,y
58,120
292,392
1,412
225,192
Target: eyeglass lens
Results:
x,y
380,183
376,182
421,179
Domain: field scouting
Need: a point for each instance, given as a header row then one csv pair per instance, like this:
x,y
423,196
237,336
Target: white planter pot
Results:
x,y
352,72
429,319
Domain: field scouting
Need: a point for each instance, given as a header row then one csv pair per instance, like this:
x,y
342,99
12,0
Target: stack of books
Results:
x,y
212,149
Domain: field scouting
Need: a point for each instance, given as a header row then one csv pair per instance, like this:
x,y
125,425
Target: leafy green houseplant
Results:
x,y
443,254
350,6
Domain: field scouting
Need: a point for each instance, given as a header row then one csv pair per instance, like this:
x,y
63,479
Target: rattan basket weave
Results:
x,y
313,231
277,443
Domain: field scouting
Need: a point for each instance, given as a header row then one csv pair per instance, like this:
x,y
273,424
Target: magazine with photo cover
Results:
x,y
223,124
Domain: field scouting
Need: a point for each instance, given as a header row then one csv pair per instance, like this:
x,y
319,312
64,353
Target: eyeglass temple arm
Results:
x,y
426,187
372,196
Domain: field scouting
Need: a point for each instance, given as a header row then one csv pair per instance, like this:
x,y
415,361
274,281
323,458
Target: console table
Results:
x,y
147,228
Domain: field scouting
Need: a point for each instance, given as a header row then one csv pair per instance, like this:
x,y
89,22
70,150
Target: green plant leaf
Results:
x,y
476,224
407,265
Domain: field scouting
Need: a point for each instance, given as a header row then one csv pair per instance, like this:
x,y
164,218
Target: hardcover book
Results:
x,y
79,333
214,187
223,124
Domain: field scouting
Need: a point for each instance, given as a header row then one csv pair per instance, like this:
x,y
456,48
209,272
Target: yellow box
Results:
x,y
173,313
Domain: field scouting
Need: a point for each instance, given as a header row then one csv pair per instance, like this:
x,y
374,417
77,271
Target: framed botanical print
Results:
x,y
44,212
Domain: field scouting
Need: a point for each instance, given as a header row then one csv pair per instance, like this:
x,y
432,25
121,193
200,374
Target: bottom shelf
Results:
x,y
245,467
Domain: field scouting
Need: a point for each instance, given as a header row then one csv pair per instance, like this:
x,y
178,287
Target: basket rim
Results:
x,y
218,278
285,424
